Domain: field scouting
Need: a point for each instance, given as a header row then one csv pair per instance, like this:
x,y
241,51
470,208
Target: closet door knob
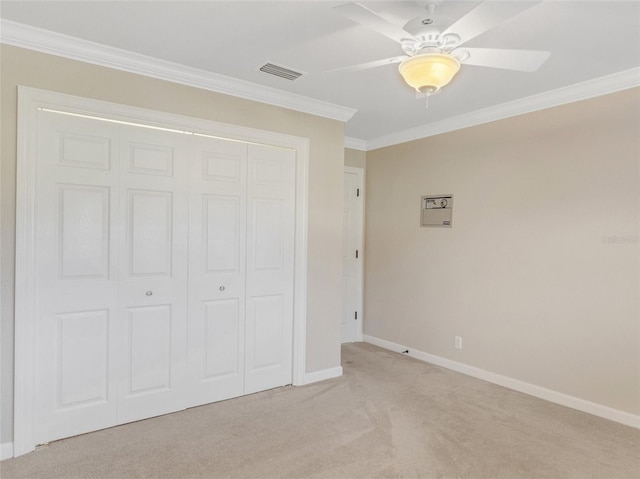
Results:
x,y
149,293
221,288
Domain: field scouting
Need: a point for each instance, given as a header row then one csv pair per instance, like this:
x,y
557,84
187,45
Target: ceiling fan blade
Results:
x,y
485,16
367,65
368,18
520,60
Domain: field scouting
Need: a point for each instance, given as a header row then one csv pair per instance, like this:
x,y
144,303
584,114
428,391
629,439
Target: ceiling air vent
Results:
x,y
280,71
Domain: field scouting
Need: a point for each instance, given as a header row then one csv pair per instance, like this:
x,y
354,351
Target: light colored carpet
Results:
x,y
389,416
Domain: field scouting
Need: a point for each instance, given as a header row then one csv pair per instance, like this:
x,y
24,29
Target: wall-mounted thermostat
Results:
x,y
436,210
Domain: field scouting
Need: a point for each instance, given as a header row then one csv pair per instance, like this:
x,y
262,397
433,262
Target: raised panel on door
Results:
x,y
76,271
149,233
82,340
83,231
221,340
152,317
267,322
217,243
149,351
270,254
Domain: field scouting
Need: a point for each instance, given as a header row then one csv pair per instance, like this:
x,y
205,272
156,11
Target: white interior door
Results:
x,y
77,271
217,248
152,316
352,255
270,254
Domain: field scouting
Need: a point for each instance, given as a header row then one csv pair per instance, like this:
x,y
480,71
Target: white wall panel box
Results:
x,y
436,210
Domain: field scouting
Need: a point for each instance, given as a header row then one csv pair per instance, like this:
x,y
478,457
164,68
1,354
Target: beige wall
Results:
x,y
540,272
23,67
355,158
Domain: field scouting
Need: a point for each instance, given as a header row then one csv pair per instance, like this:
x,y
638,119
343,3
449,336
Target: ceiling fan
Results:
x,y
433,45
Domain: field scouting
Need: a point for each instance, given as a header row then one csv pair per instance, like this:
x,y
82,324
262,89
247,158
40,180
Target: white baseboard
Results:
x,y
6,450
606,412
323,374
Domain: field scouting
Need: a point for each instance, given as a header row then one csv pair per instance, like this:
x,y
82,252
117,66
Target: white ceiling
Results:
x,y
587,40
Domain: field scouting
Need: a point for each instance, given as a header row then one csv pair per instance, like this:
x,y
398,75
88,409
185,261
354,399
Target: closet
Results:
x,y
164,271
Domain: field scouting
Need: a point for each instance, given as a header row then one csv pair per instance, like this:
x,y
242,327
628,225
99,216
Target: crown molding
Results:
x,y
561,96
32,38
45,41
355,143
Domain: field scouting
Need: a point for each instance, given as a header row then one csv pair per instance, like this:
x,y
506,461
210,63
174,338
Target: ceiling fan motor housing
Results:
x,y
427,33
425,26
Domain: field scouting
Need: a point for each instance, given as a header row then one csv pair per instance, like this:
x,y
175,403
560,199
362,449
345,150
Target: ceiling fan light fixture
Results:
x,y
429,72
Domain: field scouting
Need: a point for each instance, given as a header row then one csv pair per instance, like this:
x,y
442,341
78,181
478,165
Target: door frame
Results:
x,y
360,173
30,101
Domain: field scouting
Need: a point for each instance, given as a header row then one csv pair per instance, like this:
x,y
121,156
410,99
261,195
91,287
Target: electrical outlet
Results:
x,y
458,342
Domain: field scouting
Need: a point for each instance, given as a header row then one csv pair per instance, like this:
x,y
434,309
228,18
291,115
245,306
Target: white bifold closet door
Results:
x,y
217,263
270,246
77,351
241,268
152,281
164,268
